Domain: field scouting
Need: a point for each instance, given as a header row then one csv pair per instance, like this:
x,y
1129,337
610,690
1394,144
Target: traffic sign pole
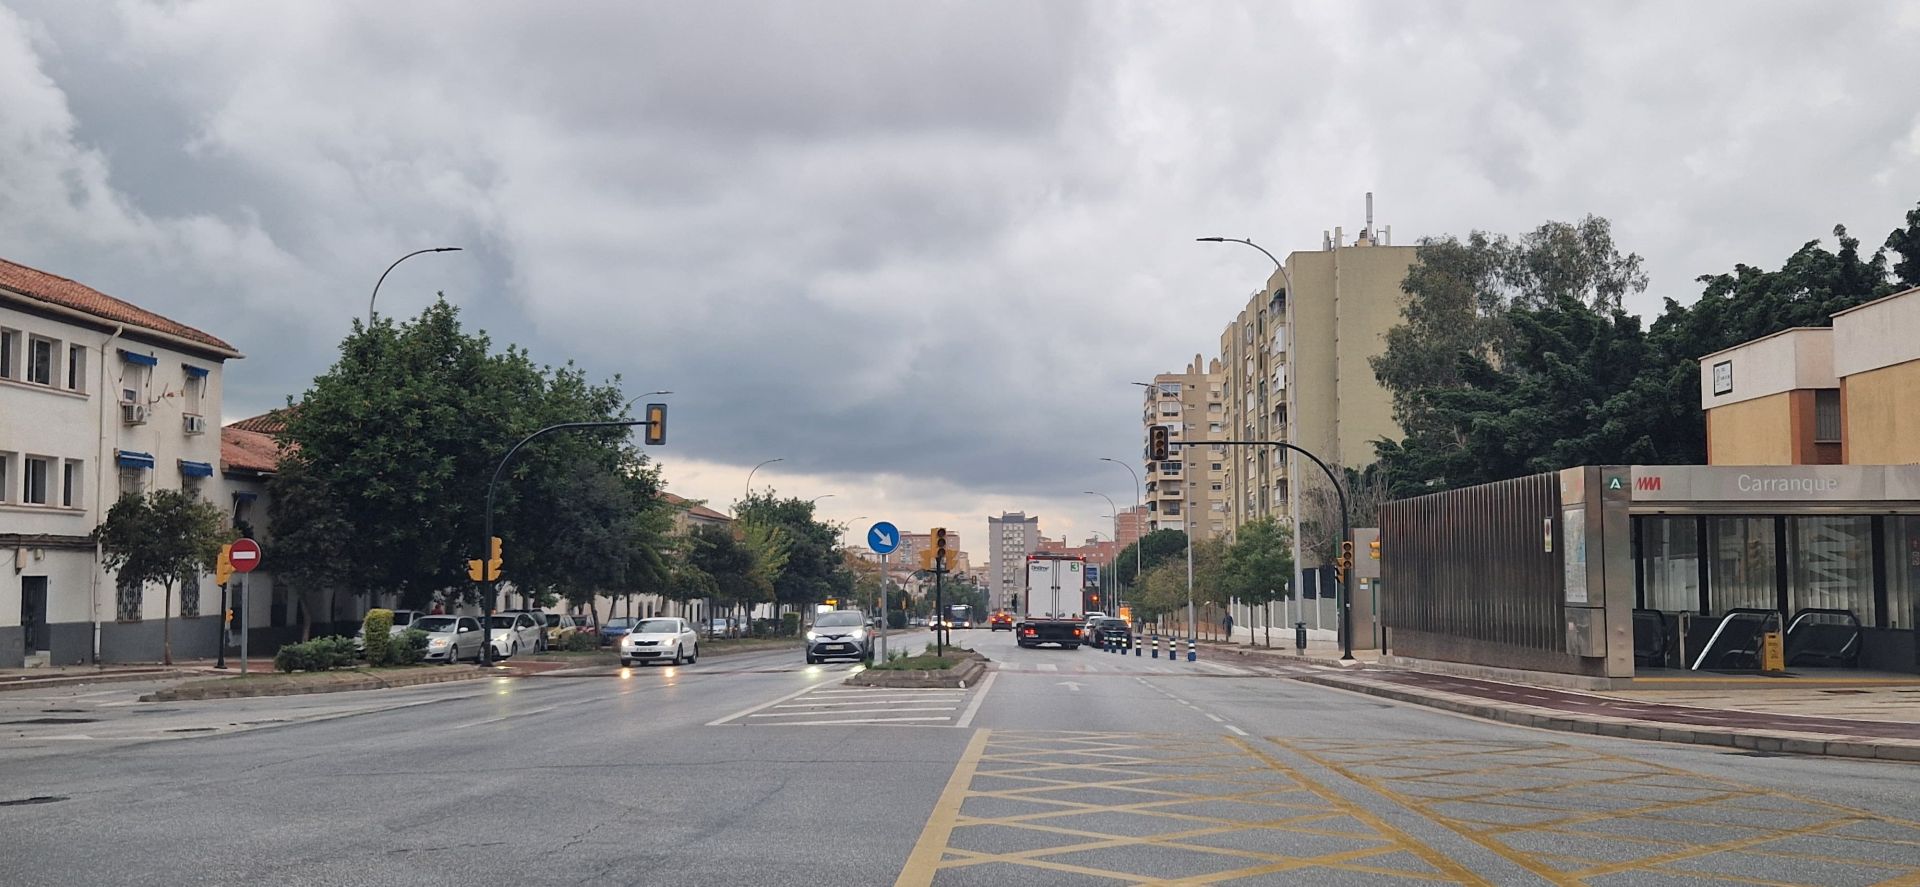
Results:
x,y
245,557
882,539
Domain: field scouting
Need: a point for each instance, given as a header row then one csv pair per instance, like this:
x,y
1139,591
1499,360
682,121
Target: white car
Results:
x,y
450,638
521,632
665,639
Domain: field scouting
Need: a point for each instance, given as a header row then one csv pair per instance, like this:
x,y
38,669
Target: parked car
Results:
x,y
561,626
841,634
401,620
661,639
999,621
523,631
1107,628
612,630
723,628
449,638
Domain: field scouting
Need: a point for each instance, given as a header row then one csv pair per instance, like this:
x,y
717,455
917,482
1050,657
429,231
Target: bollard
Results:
x,y
1299,635
1192,653
1133,640
1155,638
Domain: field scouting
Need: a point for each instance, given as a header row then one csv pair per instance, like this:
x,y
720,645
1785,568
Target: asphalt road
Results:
x,y
1062,767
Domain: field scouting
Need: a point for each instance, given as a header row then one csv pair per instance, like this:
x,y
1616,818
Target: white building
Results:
x,y
97,398
1010,537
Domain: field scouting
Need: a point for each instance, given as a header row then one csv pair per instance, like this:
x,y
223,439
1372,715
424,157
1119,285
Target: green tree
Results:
x,y
1905,241
1259,564
313,541
1154,548
813,571
169,537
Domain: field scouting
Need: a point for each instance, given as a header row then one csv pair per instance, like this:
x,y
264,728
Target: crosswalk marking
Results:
x,y
838,705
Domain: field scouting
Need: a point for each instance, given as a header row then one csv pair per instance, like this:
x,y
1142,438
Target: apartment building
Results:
x,y
98,398
1189,488
1010,537
1296,368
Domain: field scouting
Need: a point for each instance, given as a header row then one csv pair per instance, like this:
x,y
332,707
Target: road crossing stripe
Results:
x,y
811,714
860,721
973,707
881,702
764,705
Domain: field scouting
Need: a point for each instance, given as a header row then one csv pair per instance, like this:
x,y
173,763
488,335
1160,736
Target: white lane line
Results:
x,y
517,714
787,698
1236,730
878,711
1048,666
858,721
973,708
1216,718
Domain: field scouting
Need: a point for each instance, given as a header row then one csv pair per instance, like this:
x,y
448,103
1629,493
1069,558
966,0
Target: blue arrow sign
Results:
x,y
883,538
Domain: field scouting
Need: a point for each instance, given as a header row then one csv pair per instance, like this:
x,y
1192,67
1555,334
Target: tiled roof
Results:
x,y
244,450
701,511
57,290
270,422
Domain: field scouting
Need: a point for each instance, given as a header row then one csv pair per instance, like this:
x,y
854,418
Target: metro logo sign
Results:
x,y
1647,484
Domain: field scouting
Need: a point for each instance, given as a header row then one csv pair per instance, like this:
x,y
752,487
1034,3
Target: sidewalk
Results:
x,y
71,675
1877,722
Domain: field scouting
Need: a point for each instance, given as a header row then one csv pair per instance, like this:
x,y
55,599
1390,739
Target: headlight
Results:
x,y
859,633
812,635
436,643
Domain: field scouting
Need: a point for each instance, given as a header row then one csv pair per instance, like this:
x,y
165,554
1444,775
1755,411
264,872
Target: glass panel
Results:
x,y
1903,571
1741,572
1829,564
1826,415
1670,546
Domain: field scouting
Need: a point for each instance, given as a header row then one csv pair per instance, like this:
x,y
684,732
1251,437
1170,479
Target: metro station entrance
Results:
x,y
1837,584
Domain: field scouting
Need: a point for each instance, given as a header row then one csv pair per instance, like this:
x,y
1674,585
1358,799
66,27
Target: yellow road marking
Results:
x,y
925,858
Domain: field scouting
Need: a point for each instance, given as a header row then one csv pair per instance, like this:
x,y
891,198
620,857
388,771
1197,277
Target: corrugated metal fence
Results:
x,y
1472,564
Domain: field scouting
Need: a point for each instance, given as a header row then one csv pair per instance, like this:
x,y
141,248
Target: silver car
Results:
x,y
449,638
665,639
841,634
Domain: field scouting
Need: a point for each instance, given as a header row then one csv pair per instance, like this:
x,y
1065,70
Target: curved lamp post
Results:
x,y
1137,504
396,264
757,468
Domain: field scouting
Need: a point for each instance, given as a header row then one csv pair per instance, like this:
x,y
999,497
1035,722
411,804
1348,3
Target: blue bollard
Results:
x,y
1192,653
1134,641
1156,645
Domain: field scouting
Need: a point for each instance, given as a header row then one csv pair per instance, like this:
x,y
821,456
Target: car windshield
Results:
x,y
434,623
619,622
402,617
1113,623
658,626
503,621
553,620
840,618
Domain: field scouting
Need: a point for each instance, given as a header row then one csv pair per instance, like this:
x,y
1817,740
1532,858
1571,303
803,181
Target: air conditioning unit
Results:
x,y
195,424
133,413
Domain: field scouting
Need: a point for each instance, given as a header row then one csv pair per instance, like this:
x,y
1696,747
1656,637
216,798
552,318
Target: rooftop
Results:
x,y
75,296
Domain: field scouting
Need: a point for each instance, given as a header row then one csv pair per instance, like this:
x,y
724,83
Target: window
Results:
x,y
1826,415
6,477
195,384
132,481
1217,487
9,352
72,474
76,368
1215,467
1830,564
1903,571
1741,572
37,470
40,360
1172,509
1670,557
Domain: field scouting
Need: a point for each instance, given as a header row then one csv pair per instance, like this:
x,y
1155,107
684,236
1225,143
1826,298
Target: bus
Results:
x,y
960,616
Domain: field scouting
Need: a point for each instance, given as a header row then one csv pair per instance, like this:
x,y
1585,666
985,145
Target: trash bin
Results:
x,y
1299,635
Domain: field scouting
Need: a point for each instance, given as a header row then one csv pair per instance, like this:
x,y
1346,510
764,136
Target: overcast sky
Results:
x,y
917,250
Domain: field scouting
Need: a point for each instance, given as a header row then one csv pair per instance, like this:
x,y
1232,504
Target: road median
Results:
x,y
307,682
958,669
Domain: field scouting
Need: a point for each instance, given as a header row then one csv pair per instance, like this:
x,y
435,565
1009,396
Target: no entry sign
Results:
x,y
245,555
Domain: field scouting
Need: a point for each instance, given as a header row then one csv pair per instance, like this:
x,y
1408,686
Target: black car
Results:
x,y
1109,629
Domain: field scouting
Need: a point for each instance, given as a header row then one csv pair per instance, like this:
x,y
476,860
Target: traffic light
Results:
x,y
1373,549
656,424
492,565
1344,562
1157,443
926,559
942,558
223,567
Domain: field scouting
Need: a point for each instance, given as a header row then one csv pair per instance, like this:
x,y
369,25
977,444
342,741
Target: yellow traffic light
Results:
x,y
223,567
942,558
1157,444
480,571
656,433
473,570
926,559
493,553
1373,548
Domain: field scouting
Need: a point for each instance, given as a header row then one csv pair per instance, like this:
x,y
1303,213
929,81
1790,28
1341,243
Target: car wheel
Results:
x,y
696,655
626,663
812,659
513,650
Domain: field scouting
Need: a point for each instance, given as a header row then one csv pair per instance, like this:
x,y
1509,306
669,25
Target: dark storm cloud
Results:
x,y
930,242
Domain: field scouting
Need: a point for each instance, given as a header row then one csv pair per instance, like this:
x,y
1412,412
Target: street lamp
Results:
x,y
757,468
1116,538
396,263
819,497
1186,528
1139,513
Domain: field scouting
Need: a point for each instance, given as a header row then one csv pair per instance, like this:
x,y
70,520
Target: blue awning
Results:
x,y
131,459
142,359
190,468
192,370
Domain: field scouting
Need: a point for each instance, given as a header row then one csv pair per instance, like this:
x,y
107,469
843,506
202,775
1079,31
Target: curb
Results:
x,y
76,680
365,682
1627,728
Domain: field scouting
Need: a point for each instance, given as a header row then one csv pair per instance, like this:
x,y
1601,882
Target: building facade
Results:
x,y
1188,489
98,398
1296,368
1010,537
1845,394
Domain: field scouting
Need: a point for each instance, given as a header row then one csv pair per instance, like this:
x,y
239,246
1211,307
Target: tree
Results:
x,y
1154,548
1906,242
170,537
312,538
813,571
1367,492
1259,564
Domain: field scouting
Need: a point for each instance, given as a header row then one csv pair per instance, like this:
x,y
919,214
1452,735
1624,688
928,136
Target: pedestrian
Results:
x,y
1227,621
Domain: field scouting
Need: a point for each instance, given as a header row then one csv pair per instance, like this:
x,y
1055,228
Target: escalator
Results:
x,y
1735,642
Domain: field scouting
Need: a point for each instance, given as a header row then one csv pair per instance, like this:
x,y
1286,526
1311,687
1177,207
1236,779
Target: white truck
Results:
x,y
1050,607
